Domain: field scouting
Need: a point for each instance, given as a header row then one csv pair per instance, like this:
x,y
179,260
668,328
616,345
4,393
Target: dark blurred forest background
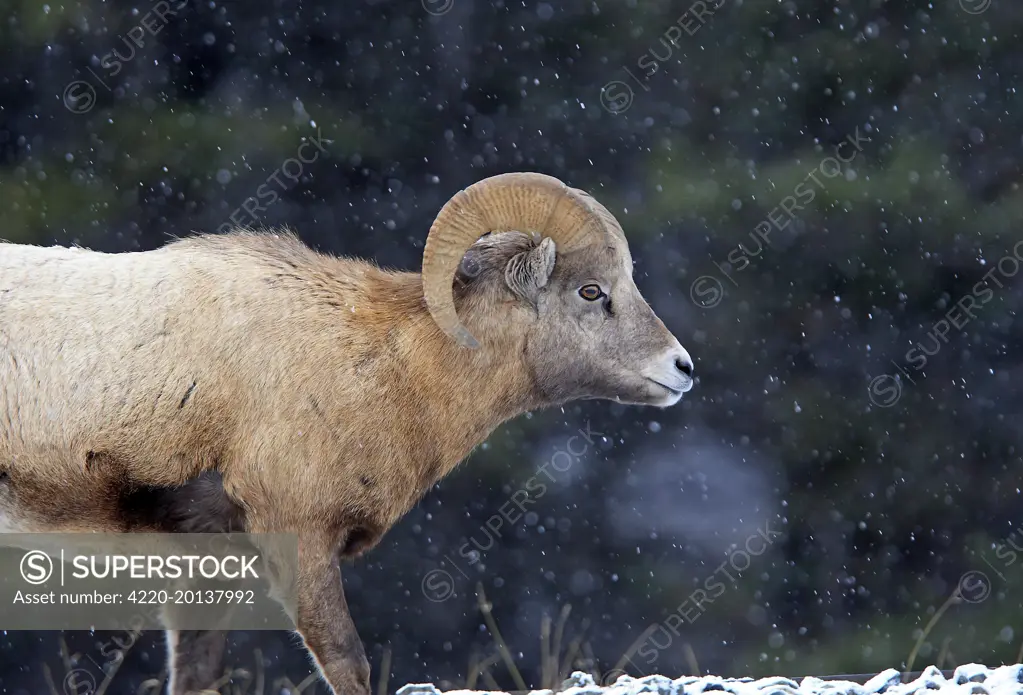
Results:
x,y
848,463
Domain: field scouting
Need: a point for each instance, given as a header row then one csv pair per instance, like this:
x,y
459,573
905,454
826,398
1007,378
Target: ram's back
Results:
x,y
245,354
118,360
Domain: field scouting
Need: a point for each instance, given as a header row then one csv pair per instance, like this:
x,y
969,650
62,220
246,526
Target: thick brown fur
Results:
x,y
244,381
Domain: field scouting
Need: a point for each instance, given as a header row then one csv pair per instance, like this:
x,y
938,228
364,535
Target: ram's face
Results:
x,y
588,331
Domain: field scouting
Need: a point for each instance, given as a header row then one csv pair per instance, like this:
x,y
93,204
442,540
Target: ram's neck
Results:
x,y
454,397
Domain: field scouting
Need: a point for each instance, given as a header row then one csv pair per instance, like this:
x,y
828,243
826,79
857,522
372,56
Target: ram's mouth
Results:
x,y
673,391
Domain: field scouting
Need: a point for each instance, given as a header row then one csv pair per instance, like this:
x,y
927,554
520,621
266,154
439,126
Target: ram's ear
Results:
x,y
528,272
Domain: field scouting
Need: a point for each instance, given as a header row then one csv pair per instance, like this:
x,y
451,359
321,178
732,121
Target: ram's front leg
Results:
x,y
323,620
196,660
311,594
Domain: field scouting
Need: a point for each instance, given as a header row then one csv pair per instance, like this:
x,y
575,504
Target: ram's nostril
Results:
x,y
684,366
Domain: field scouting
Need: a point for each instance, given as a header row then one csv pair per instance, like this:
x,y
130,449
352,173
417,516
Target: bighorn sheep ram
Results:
x,y
244,381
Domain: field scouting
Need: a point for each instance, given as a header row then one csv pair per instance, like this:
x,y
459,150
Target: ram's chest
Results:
x,y
365,523
382,451
365,488
387,487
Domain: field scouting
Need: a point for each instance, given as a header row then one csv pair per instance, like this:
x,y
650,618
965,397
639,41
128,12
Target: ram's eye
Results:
x,y
591,293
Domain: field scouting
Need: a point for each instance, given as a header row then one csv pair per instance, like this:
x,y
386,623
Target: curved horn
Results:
x,y
524,202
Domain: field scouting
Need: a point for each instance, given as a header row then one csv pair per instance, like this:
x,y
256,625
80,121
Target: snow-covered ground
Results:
x,y
968,679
